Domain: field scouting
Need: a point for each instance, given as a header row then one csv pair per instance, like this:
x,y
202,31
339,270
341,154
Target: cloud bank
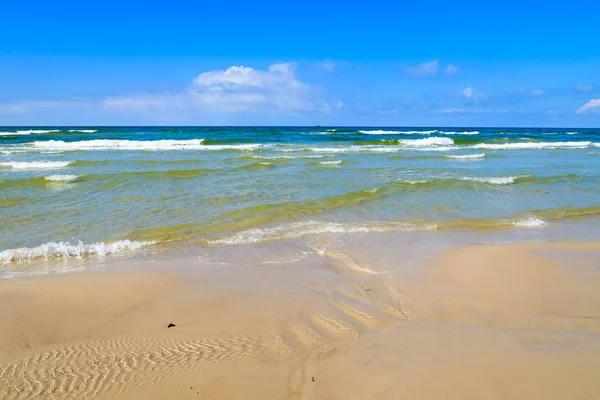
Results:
x,y
432,68
592,106
236,89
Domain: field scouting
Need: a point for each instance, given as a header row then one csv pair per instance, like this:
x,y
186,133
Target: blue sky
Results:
x,y
436,63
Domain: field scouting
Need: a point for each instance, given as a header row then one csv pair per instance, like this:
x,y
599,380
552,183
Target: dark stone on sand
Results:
x,y
170,325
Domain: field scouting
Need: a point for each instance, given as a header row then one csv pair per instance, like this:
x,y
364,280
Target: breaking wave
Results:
x,y
27,132
468,156
309,228
63,250
36,164
144,145
384,132
61,178
531,145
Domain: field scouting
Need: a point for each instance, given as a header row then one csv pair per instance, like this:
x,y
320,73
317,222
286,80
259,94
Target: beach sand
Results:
x,y
518,321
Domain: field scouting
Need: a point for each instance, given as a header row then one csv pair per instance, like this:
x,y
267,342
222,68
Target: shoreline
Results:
x,y
362,324
68,257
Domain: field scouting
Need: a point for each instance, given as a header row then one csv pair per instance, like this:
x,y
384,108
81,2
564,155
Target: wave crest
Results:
x,y
36,164
58,250
531,145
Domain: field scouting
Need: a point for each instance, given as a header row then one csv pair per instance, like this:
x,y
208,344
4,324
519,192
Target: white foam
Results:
x,y
329,132
13,133
283,157
460,133
55,250
309,228
433,148
60,178
468,156
495,181
346,149
531,145
36,164
432,141
338,162
532,222
26,132
109,144
84,130
383,132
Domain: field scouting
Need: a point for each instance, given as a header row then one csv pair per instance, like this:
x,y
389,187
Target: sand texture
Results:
x,y
516,321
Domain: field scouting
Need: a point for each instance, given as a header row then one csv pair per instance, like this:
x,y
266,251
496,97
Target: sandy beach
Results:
x,y
514,321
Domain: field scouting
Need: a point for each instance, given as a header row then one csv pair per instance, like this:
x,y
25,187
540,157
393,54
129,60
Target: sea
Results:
x,y
92,192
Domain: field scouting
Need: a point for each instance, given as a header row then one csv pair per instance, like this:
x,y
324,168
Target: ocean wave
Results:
x,y
62,250
453,181
433,148
256,165
459,133
84,130
468,156
345,149
384,132
432,141
61,178
310,228
532,222
280,157
338,162
494,181
27,132
36,164
531,145
109,144
143,145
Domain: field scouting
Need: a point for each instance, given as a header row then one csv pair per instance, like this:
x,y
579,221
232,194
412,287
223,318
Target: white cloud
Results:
x,y
142,102
432,68
26,106
237,88
470,96
592,106
327,65
12,108
426,69
451,110
536,92
583,88
451,69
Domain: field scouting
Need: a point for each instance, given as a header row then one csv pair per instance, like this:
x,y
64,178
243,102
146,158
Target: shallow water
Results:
x,y
141,186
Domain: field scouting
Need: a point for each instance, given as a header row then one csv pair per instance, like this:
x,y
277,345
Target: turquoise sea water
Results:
x,y
79,191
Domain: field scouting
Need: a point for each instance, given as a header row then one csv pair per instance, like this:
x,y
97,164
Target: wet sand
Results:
x,y
471,322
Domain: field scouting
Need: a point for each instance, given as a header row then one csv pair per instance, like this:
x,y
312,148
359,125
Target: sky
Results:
x,y
330,63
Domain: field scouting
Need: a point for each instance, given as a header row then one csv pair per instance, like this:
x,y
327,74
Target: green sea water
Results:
x,y
92,191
